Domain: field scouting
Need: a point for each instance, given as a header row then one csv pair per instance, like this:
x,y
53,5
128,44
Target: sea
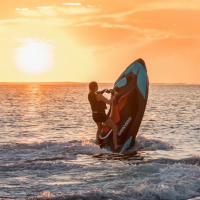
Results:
x,y
48,150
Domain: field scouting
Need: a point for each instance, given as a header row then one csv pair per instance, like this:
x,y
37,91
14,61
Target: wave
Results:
x,y
58,156
82,146
55,151
23,155
146,144
152,181
59,163
45,155
194,160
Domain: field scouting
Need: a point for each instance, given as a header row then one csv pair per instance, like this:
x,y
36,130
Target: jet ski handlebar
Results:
x,y
111,91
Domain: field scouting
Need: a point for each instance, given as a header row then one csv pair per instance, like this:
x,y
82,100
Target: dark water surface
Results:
x,y
47,148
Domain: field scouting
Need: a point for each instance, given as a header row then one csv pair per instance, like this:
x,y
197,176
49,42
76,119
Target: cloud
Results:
x,y
38,12
166,5
44,7
90,6
149,34
71,4
22,9
54,22
118,16
11,21
108,25
138,20
120,13
77,10
125,26
52,11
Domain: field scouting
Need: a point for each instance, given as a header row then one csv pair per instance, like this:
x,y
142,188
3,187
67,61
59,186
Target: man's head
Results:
x,y
93,86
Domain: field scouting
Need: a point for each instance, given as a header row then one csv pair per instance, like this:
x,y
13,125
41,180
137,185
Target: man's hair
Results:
x,y
92,86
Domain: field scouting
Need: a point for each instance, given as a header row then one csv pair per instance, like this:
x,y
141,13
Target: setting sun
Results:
x,y
34,57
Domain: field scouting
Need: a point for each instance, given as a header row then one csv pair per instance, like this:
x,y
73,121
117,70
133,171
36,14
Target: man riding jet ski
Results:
x,y
98,106
127,108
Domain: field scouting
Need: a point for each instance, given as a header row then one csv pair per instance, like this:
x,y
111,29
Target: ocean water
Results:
x,y
47,148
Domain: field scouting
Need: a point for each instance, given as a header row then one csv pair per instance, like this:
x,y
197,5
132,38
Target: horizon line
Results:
x,y
71,82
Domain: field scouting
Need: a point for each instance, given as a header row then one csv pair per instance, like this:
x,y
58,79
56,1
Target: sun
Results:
x,y
34,57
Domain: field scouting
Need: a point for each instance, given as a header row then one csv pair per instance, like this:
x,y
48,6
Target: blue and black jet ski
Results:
x,y
128,108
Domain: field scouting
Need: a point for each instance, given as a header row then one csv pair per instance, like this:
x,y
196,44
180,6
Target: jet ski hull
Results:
x,y
128,108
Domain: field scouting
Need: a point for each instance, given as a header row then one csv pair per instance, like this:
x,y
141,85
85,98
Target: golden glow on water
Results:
x,y
34,57
33,95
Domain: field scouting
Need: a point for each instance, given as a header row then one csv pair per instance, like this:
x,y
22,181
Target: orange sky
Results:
x,y
54,40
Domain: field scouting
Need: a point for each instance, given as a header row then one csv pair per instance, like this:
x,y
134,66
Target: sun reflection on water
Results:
x,y
32,114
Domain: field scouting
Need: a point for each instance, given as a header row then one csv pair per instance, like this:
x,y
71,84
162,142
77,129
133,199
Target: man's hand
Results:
x,y
116,93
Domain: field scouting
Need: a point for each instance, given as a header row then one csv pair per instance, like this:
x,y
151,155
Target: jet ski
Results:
x,y
128,108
